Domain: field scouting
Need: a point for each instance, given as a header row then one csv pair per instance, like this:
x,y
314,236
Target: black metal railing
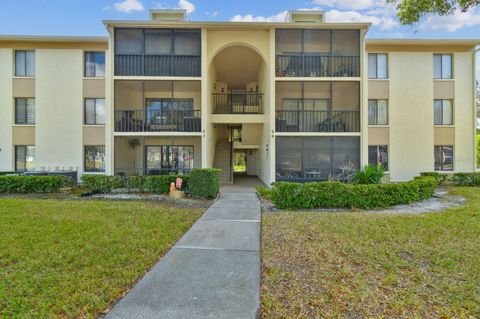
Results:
x,y
317,66
122,171
157,121
237,103
157,65
317,121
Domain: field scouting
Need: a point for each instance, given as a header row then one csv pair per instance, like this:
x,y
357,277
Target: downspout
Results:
x,y
475,164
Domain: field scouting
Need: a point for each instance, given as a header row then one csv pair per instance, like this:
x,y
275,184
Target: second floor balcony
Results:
x,y
136,121
237,102
317,121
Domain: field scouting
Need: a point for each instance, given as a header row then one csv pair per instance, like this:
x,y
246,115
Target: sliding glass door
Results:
x,y
169,159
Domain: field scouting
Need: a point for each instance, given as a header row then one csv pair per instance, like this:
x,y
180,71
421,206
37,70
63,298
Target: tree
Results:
x,y
411,11
132,144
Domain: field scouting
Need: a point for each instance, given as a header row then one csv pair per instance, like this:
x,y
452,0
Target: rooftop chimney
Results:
x,y
168,14
306,16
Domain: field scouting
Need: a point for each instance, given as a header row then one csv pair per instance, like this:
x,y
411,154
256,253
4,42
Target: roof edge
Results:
x,y
420,42
47,38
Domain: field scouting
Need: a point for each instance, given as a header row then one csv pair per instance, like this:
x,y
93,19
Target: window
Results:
x,y
442,66
377,66
24,158
166,159
94,64
94,158
443,112
25,111
377,112
94,111
24,63
443,158
378,155
168,111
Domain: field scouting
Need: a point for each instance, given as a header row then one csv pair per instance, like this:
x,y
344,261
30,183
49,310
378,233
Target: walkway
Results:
x,y
212,272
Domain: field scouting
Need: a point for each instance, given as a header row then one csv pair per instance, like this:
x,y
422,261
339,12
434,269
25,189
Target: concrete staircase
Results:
x,y
223,161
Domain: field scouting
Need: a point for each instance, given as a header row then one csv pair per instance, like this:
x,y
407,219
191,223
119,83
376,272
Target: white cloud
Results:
x,y
452,22
349,4
382,22
128,6
187,5
280,17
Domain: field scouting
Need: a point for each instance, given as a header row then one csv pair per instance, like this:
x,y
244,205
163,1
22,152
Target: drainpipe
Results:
x,y
475,52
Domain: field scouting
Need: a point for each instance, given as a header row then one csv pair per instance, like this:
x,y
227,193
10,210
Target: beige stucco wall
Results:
x,y
94,135
444,135
378,136
444,90
59,99
23,135
124,155
251,134
24,87
94,88
411,114
378,89
464,113
6,110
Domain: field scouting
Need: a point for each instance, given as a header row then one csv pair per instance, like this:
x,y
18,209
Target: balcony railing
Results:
x,y
237,103
317,66
122,171
157,65
317,121
157,121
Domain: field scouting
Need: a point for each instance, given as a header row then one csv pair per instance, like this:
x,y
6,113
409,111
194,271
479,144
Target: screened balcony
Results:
x,y
303,159
157,52
317,107
157,106
317,53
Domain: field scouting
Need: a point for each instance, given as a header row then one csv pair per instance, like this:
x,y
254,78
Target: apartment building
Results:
x,y
302,100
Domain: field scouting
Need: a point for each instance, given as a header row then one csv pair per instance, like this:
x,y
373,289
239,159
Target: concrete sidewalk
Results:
x,y
212,272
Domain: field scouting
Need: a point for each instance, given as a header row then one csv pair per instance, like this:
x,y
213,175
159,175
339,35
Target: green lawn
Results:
x,y
359,265
62,258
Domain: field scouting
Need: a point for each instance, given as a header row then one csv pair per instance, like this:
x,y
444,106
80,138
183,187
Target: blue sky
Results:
x,y
83,17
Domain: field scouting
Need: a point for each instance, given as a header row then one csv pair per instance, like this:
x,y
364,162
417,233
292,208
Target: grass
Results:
x,y
72,259
359,265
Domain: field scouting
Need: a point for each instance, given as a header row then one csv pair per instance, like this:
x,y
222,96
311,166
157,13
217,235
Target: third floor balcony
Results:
x,y
317,53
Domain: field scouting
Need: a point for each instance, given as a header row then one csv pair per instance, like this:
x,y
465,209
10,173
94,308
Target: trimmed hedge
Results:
x,y
264,192
440,177
33,184
342,195
204,182
466,179
135,181
101,183
160,184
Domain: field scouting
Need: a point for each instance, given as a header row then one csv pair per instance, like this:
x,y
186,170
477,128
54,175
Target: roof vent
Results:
x,y
168,14
306,16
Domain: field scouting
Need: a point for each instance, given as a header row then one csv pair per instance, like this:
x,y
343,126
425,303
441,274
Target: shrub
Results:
x,y
102,183
264,192
342,195
204,182
136,181
32,184
160,184
466,179
441,178
371,174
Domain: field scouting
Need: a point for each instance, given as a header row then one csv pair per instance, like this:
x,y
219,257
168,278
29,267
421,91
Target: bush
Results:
x,y
102,183
32,184
342,195
204,182
264,192
466,179
160,184
371,174
440,177
136,182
